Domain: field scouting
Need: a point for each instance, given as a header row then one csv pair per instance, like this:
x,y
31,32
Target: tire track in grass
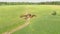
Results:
x,y
18,28
21,26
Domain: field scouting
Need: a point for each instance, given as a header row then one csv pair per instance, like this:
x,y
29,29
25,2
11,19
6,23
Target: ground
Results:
x,y
43,23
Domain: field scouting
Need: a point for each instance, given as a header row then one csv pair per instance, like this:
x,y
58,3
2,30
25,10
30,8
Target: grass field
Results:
x,y
43,23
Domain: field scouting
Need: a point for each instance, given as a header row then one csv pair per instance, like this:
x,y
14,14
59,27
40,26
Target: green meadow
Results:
x,y
43,23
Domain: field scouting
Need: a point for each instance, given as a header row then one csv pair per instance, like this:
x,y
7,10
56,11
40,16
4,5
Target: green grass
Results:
x,y
43,23
10,17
